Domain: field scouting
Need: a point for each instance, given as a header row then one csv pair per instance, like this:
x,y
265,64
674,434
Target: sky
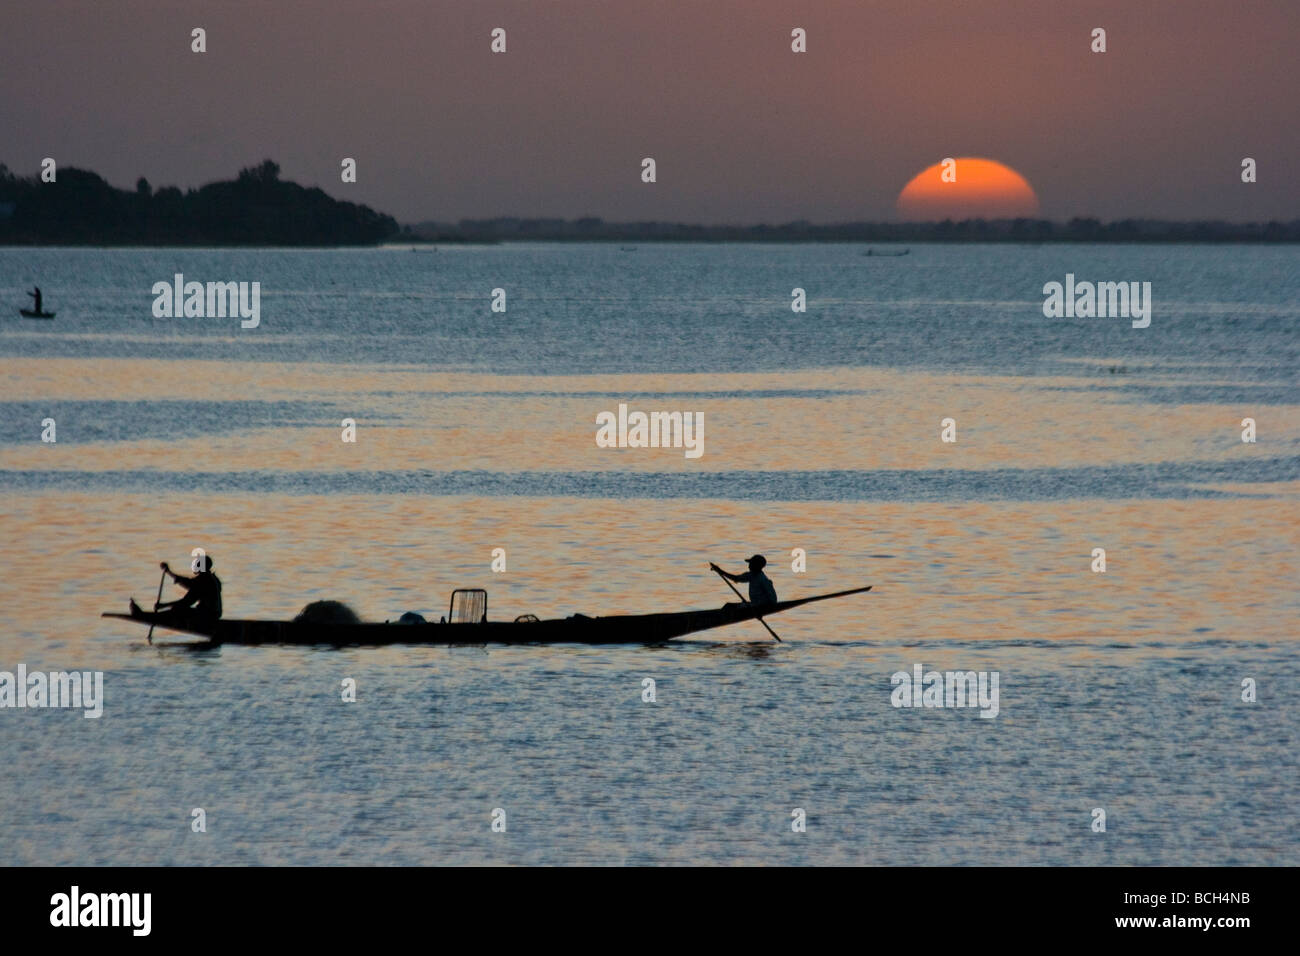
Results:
x,y
742,129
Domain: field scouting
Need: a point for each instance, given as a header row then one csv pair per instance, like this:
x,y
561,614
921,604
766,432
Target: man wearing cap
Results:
x,y
202,593
761,590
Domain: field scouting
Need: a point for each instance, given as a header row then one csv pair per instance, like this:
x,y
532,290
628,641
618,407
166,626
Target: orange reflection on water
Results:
x,y
412,419
1177,570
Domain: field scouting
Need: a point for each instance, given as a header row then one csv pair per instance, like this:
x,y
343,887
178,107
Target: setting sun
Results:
x,y
971,189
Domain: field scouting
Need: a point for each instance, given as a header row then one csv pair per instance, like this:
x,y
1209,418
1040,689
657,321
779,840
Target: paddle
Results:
x,y
738,594
158,600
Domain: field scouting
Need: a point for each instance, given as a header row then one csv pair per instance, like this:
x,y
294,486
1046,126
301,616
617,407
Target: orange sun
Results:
x,y
983,189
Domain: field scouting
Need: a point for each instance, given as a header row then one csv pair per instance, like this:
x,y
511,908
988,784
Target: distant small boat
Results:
x,y
29,314
627,248
888,255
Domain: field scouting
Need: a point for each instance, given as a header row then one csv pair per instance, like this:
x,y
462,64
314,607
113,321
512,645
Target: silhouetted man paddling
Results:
x,y
37,296
202,594
761,589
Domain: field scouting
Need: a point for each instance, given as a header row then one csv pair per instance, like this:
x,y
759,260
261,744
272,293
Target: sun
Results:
x,y
981,189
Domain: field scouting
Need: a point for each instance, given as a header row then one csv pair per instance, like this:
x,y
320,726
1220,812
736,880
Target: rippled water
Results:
x,y
476,431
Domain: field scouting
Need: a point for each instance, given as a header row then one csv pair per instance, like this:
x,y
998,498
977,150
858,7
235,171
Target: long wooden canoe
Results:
x,y
578,629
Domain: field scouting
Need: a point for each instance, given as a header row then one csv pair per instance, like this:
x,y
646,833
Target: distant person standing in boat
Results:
x,y
761,589
202,594
37,296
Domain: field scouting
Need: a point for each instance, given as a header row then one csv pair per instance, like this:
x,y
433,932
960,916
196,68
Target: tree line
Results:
x,y
256,208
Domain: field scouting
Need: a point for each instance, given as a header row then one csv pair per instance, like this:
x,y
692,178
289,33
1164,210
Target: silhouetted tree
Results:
x,y
266,172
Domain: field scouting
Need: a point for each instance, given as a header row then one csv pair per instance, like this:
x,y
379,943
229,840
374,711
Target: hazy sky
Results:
x,y
743,130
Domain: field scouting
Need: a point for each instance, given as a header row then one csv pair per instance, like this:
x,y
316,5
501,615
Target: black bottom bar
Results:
x,y
651,906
